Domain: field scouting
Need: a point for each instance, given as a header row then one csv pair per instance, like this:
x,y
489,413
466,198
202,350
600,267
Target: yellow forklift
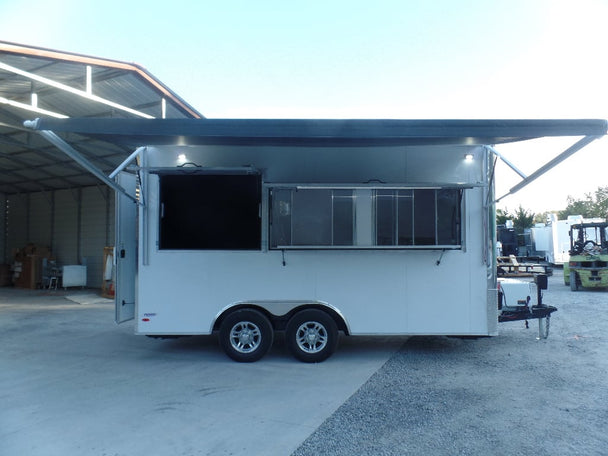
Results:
x,y
588,264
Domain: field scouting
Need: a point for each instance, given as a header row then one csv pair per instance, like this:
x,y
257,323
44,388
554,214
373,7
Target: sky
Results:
x,y
404,59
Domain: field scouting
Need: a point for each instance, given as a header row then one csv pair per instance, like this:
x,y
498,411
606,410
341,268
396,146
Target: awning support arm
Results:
x,y
507,162
78,158
126,163
551,164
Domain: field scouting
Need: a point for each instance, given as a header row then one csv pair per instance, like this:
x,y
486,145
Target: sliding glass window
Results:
x,y
421,217
312,217
365,218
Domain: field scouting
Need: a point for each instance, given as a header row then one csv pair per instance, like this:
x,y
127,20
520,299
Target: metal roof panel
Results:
x,y
59,80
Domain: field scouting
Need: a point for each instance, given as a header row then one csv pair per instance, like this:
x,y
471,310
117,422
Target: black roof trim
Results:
x,y
319,132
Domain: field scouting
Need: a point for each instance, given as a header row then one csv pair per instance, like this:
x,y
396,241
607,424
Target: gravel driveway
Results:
x,y
505,395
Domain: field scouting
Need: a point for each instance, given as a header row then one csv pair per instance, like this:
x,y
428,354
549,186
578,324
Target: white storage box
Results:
x,y
74,276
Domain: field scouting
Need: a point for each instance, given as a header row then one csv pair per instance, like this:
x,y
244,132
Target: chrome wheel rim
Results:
x,y
245,337
311,337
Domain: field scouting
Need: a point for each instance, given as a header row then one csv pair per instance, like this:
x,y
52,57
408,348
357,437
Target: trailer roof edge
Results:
x,y
320,132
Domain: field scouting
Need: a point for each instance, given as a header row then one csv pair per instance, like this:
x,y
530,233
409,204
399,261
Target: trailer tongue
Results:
x,y
513,309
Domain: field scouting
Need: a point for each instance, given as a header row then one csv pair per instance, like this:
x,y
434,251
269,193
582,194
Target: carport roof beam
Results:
x,y
67,88
32,108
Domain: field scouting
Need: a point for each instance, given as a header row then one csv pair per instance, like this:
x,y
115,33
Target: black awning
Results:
x,y
318,132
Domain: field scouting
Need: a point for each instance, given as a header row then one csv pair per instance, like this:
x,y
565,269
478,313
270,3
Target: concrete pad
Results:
x,y
72,382
88,298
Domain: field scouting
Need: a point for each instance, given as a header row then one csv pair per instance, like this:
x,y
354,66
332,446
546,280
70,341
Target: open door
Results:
x,y
126,249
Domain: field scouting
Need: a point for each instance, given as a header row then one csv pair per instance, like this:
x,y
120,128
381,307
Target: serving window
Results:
x,y
365,218
210,212
421,217
312,217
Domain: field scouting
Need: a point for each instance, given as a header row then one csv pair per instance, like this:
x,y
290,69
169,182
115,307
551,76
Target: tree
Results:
x,y
542,217
502,216
593,205
522,218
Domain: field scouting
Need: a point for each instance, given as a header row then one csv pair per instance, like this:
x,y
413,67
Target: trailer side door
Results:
x,y
126,250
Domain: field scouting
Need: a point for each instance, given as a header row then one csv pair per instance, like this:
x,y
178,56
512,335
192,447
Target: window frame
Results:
x,y
372,190
332,224
243,242
413,226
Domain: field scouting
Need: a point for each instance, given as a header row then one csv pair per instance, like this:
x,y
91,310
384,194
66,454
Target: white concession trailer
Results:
x,y
312,227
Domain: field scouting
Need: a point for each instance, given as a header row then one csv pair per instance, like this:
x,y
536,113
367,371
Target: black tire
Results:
x,y
311,335
246,335
573,281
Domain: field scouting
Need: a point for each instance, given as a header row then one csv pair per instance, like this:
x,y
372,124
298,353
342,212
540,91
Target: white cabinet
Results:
x,y
74,276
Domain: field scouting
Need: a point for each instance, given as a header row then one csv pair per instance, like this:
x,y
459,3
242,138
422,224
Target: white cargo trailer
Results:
x,y
553,239
312,227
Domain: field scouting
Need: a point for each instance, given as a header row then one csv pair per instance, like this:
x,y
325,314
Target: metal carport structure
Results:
x,y
45,197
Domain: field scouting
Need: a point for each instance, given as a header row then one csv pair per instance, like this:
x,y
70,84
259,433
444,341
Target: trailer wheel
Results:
x,y
311,335
573,281
246,335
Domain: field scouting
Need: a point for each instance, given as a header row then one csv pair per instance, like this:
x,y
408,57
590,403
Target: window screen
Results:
x,y
210,212
311,217
352,218
421,217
